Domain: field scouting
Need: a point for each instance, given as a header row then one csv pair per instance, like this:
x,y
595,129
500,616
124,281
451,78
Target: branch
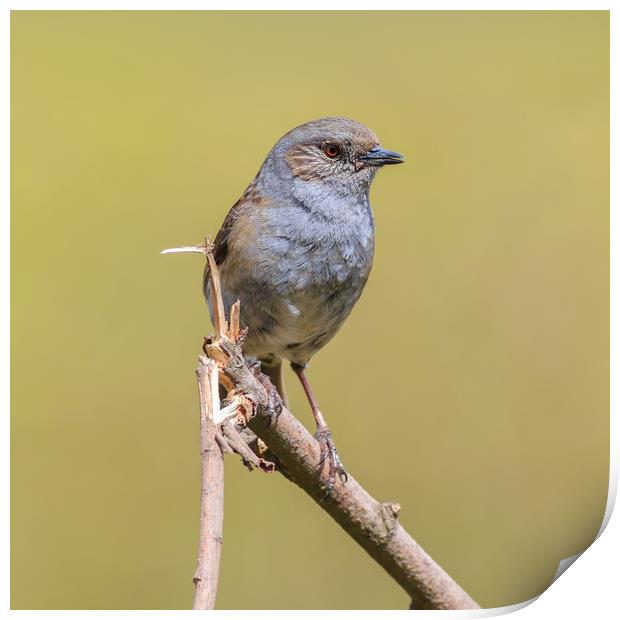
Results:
x,y
211,488
372,524
280,436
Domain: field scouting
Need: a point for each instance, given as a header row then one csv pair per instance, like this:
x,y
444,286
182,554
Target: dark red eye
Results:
x,y
332,151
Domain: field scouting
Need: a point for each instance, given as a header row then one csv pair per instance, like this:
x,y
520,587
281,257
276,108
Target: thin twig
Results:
x,y
219,316
212,488
239,445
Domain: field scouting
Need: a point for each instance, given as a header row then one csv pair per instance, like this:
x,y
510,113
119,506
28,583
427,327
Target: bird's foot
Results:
x,y
255,367
274,402
330,454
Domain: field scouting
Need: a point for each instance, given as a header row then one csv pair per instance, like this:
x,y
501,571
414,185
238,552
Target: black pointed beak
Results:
x,y
378,156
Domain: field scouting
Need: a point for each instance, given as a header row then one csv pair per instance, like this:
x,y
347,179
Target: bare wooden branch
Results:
x,y
372,524
275,435
212,488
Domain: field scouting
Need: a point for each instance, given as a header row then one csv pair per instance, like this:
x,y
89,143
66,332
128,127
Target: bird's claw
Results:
x,y
330,454
274,402
255,368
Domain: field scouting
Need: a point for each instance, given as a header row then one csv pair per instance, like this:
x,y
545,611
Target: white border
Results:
x,y
4,306
322,5
589,586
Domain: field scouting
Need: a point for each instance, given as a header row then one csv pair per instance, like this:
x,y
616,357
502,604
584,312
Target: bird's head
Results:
x,y
334,151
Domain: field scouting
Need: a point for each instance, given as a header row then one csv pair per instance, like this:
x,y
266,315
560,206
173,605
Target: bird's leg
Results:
x,y
323,434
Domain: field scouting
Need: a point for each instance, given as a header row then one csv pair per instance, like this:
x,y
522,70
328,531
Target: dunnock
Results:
x,y
296,249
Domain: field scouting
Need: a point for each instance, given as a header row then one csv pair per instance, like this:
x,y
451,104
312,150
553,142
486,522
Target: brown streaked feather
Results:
x,y
250,199
305,162
233,235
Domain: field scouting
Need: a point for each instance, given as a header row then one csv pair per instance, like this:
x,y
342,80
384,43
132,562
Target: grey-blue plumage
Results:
x,y
298,246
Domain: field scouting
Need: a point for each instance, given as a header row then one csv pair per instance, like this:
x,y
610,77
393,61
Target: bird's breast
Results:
x,y
298,276
318,247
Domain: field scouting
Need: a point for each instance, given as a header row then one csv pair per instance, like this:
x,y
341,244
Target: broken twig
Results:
x,y
211,488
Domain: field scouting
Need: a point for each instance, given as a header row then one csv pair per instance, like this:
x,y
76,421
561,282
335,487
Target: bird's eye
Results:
x,y
332,151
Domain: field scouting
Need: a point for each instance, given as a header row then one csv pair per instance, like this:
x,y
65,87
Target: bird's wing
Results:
x,y
239,214
220,245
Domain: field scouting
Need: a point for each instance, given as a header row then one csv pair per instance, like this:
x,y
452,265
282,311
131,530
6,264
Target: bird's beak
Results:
x,y
378,156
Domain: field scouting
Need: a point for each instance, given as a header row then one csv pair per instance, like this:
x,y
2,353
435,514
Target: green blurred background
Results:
x,y
136,131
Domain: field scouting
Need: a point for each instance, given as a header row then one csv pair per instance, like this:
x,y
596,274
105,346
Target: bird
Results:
x,y
297,248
